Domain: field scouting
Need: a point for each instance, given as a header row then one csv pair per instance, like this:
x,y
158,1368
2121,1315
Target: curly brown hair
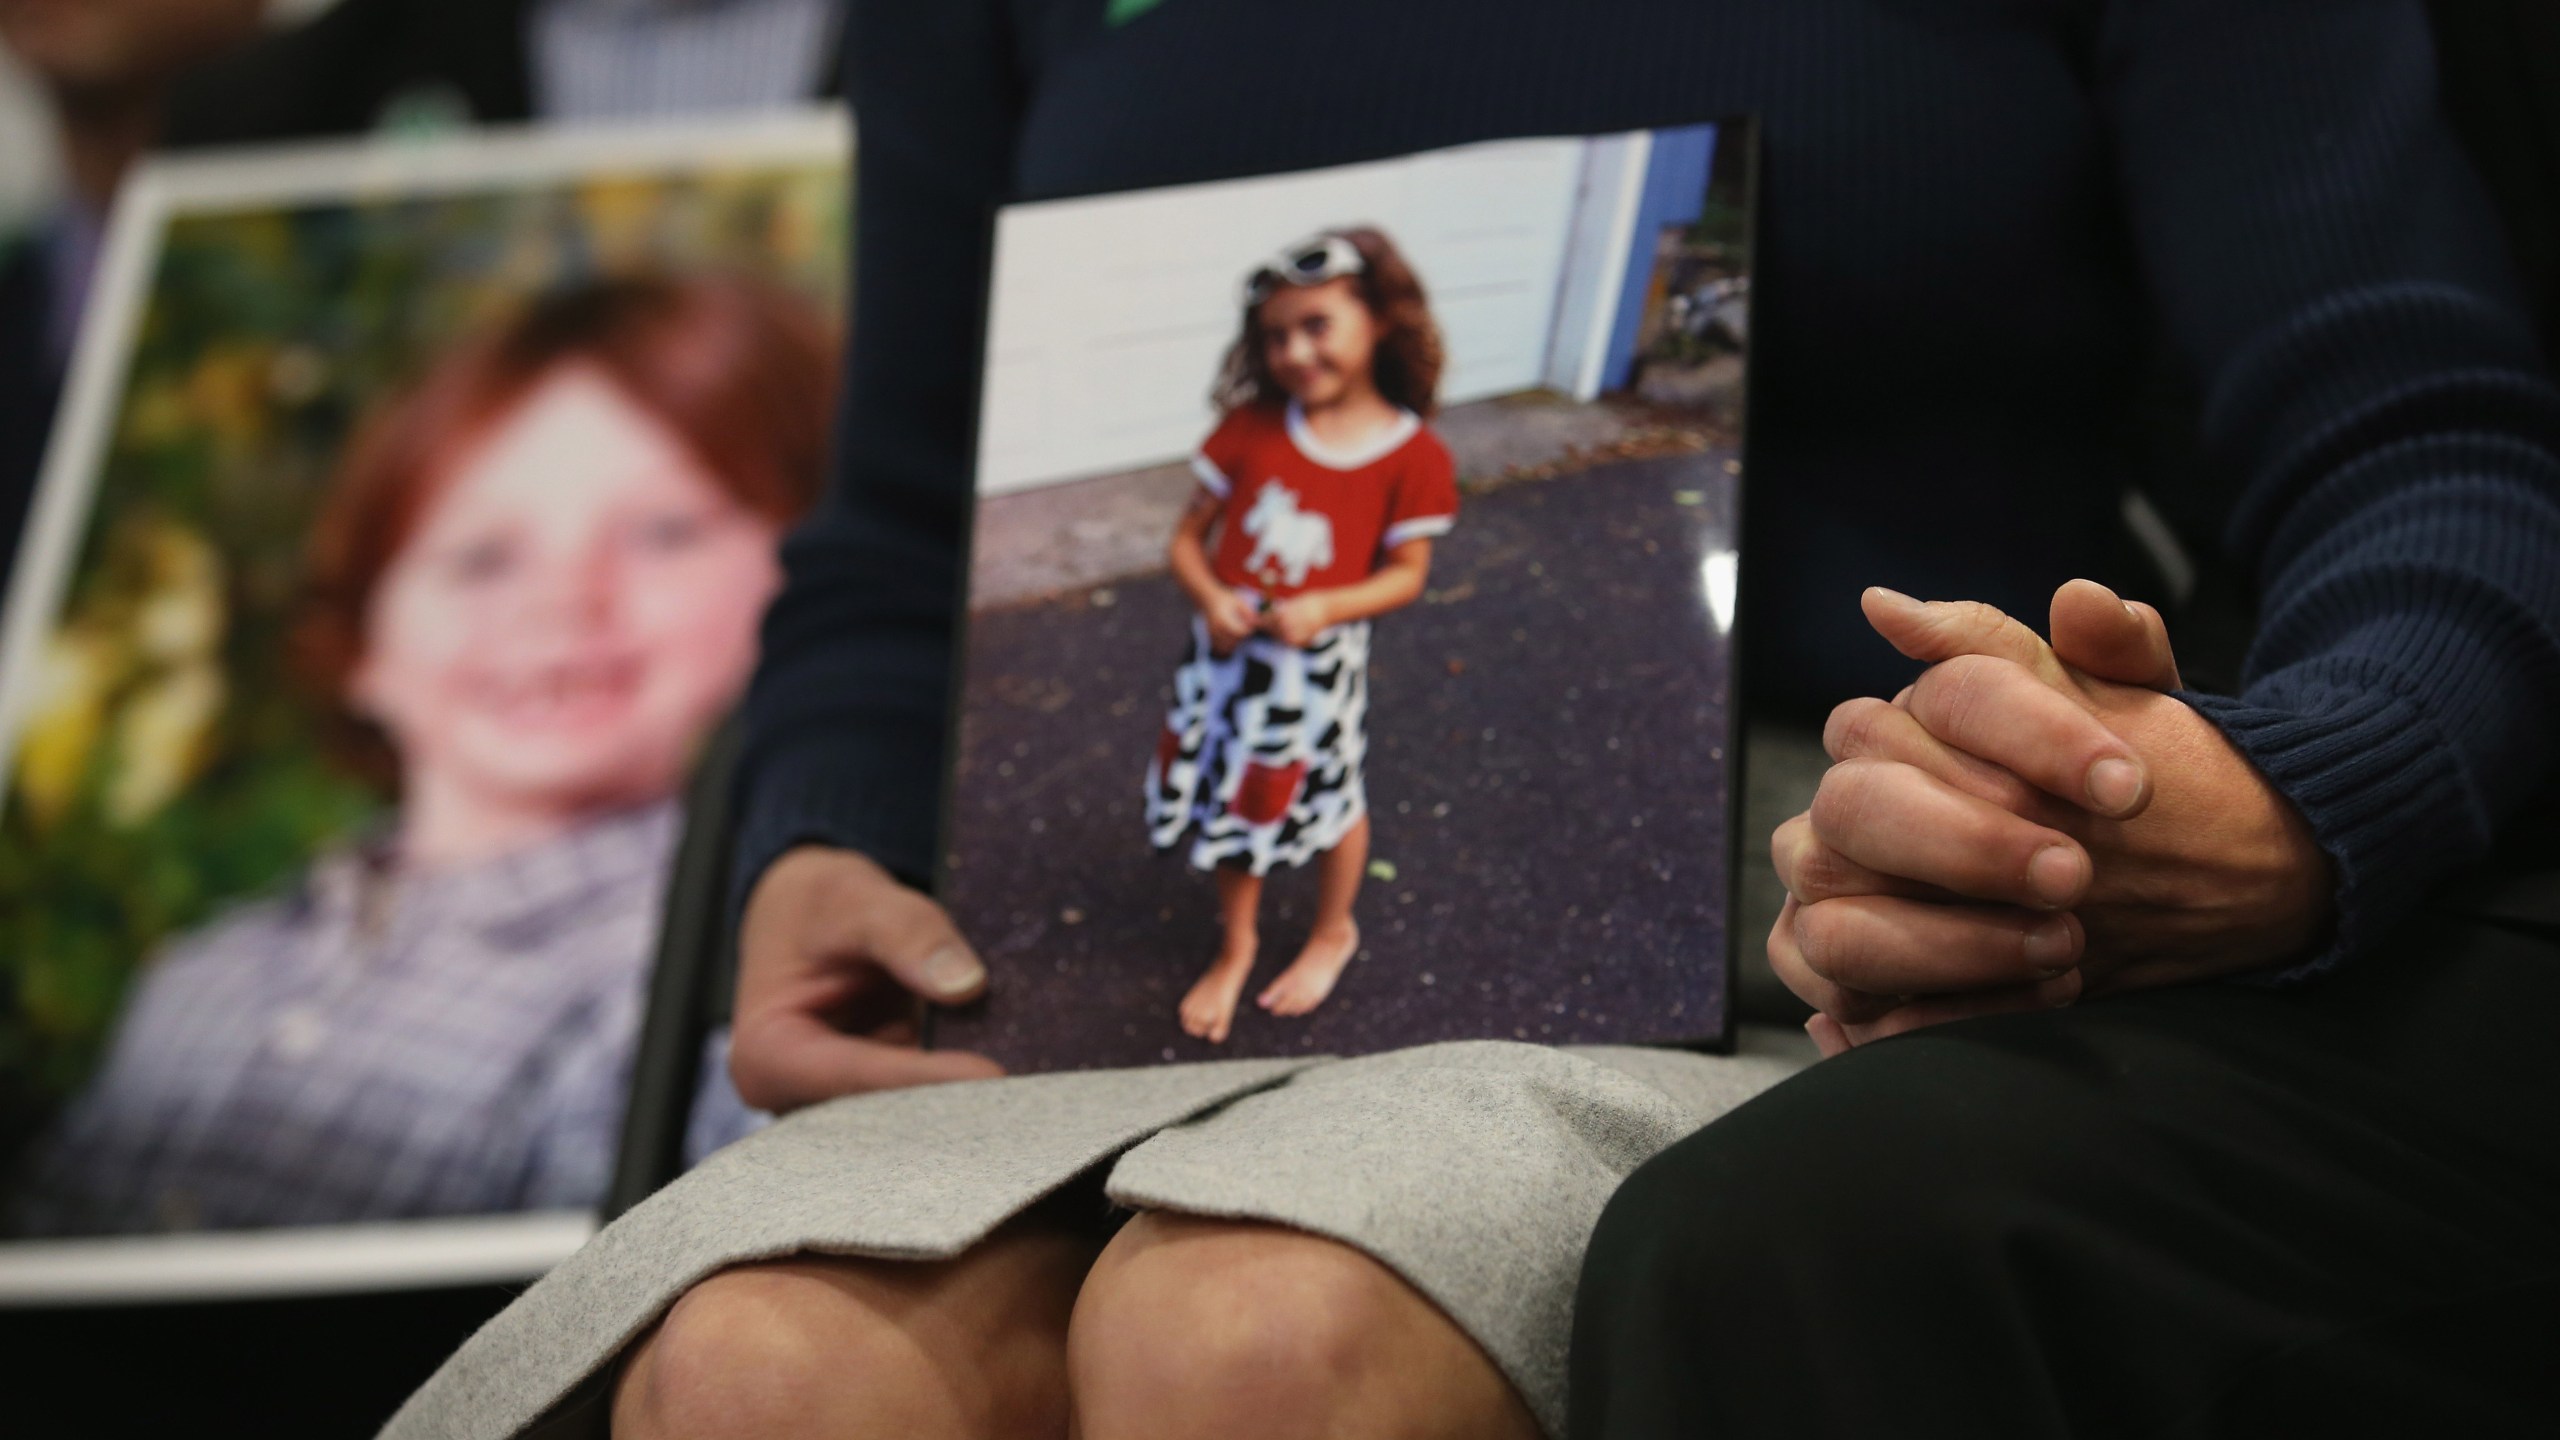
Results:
x,y
742,373
1407,363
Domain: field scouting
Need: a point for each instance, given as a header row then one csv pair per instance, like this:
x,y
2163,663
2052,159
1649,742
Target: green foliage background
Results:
x,y
267,334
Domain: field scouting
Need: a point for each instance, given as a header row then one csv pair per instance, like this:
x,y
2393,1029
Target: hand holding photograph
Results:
x,y
1401,709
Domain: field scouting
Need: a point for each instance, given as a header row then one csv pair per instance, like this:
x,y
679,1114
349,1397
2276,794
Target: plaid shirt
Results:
x,y
372,1047
633,59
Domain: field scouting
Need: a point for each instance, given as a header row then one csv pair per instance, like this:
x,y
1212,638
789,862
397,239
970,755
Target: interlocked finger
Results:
x,y
1787,959
1870,729
1884,945
1932,631
2050,994
2005,714
1813,871
1898,820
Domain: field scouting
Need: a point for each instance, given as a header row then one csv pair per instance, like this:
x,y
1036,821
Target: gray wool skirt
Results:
x,y
1475,1170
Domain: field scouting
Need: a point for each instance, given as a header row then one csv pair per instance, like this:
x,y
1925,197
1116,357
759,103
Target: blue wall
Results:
x,y
1675,193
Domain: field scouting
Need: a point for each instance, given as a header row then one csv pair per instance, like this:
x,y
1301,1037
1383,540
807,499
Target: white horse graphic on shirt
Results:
x,y
1292,540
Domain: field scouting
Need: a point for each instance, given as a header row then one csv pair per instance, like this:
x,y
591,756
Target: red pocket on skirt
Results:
x,y
1266,790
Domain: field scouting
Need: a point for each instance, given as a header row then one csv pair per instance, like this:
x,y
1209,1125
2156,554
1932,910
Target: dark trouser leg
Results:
x,y
2212,1210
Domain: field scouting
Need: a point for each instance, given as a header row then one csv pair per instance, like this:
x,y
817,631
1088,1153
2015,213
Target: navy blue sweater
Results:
x,y
1979,218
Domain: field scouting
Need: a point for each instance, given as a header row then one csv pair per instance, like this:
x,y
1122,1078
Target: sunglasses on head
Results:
x,y
1309,262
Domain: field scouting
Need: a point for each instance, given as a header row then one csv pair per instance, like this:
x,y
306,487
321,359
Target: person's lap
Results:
x,y
2155,1214
1450,1183
818,1345
1172,1326
1261,1289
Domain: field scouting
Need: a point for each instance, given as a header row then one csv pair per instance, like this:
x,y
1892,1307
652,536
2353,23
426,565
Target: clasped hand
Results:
x,y
1294,621
2029,824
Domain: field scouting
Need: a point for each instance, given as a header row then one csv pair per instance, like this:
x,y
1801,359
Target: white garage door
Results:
x,y
1110,315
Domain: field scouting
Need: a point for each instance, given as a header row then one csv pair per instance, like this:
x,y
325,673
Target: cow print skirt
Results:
x,y
1260,757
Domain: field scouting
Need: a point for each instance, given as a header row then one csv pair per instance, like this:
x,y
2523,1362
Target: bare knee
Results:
x,y
752,1351
1191,1327
1213,1305
853,1348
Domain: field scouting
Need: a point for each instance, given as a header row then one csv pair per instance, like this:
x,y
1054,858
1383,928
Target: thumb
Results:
x,y
913,939
2112,638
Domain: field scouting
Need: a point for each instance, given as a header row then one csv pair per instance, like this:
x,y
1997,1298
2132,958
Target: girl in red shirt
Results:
x,y
1321,491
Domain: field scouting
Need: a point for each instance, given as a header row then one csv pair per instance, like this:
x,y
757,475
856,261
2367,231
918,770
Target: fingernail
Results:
x,y
2054,873
2114,785
1895,600
952,970
2048,947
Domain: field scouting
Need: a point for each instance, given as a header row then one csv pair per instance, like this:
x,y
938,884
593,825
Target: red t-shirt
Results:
x,y
1302,516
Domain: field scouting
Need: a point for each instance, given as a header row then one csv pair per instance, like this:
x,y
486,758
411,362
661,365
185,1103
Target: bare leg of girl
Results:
x,y
1191,1327
1335,939
1210,1008
844,1348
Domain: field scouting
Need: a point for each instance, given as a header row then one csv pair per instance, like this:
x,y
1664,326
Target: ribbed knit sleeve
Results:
x,y
844,721
2318,248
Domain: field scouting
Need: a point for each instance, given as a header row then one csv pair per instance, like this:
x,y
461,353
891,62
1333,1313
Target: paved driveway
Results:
x,y
1547,776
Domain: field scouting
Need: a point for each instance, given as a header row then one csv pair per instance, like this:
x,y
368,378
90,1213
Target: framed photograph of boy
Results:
x,y
1349,648
403,537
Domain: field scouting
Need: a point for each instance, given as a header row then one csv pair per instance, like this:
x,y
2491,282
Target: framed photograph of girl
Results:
x,y
1349,651
402,539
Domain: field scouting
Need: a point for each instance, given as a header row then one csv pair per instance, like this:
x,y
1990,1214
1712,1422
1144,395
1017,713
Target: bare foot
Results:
x,y
1210,1009
1309,978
